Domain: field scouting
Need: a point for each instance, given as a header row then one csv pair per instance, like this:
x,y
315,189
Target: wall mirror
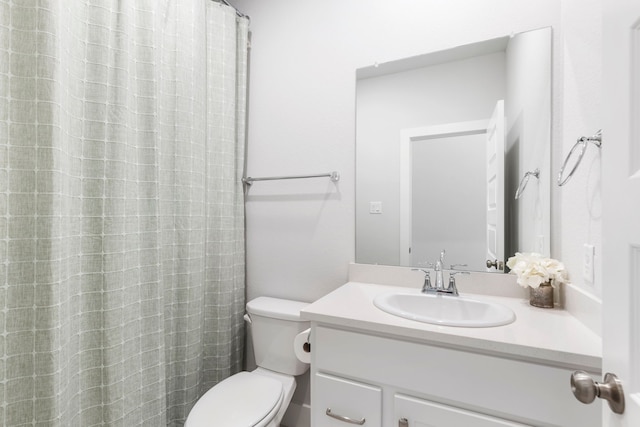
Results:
x,y
444,141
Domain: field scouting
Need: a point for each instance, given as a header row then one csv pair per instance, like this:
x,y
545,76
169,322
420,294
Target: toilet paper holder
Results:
x,y
307,345
302,346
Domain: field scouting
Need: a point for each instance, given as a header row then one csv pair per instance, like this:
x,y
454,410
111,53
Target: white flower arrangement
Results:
x,y
533,270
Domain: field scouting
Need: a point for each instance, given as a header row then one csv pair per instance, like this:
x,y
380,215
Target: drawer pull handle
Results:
x,y
345,419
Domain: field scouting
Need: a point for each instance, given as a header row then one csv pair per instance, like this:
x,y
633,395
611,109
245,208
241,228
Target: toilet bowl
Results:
x,y
258,398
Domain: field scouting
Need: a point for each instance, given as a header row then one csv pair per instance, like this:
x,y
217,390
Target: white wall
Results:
x,y
577,205
462,90
302,119
300,235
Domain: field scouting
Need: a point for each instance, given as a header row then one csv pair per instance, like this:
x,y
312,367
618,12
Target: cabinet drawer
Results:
x,y
351,403
418,412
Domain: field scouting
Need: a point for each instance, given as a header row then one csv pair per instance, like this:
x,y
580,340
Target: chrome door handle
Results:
x,y
498,265
342,418
585,389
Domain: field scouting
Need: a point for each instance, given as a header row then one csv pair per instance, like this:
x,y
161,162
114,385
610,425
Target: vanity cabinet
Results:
x,y
390,381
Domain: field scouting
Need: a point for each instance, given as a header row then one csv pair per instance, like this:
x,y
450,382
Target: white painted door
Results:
x,y
621,204
495,187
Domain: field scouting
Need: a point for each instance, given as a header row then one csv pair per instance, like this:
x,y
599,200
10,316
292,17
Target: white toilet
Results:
x,y
258,398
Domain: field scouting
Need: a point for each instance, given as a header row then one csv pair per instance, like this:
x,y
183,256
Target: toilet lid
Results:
x,y
243,399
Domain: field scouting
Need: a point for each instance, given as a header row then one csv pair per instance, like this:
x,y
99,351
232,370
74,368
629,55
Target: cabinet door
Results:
x,y
338,402
412,412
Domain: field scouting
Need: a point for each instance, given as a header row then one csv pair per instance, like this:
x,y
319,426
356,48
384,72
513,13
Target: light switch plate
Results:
x,y
375,207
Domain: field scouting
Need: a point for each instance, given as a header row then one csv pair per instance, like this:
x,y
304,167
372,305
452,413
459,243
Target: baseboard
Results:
x,y
297,415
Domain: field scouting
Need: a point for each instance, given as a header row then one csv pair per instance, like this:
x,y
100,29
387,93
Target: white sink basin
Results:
x,y
445,310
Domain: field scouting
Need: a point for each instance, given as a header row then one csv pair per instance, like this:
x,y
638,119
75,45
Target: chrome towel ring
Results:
x,y
525,181
581,144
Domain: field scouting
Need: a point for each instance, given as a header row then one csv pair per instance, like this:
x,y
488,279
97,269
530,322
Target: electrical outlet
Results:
x,y
375,207
587,263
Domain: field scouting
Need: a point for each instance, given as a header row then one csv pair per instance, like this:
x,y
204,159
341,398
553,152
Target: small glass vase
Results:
x,y
542,296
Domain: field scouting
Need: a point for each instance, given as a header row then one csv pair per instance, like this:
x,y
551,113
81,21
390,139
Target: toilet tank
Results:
x,y
274,324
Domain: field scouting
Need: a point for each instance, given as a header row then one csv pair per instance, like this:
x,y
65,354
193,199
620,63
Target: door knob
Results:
x,y
498,265
585,389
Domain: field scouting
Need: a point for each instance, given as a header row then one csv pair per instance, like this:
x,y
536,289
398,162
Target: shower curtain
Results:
x,y
121,208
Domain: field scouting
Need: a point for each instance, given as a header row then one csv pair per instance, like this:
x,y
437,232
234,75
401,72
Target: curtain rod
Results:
x,y
240,14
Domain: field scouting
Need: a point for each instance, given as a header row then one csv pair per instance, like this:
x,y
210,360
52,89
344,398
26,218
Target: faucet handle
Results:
x,y
453,266
426,287
452,288
454,273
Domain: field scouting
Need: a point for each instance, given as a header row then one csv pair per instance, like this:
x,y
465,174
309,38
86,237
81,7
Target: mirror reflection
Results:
x,y
443,141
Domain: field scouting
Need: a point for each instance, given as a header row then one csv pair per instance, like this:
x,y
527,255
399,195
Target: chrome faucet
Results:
x,y
438,288
438,269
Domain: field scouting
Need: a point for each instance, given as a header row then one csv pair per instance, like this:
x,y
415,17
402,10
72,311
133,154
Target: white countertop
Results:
x,y
550,336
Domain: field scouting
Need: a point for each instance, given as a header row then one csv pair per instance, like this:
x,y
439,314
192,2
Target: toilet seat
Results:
x,y
242,400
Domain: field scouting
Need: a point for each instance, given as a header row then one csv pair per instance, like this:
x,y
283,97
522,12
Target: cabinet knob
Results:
x,y
403,422
585,389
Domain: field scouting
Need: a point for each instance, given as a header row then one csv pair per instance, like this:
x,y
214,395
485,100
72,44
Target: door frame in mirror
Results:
x,y
407,137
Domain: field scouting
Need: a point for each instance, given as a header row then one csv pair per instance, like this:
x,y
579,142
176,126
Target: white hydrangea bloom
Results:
x,y
533,269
